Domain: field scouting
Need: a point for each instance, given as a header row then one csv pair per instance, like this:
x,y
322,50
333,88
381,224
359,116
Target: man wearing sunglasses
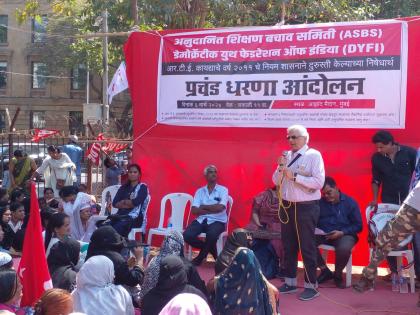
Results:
x,y
209,205
300,176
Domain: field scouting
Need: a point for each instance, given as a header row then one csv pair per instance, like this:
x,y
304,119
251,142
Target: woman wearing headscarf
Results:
x,y
171,282
107,242
186,303
58,170
242,288
62,262
173,244
95,292
238,238
82,222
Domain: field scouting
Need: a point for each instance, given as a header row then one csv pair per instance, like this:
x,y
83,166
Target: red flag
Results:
x,y
113,147
33,268
42,134
94,153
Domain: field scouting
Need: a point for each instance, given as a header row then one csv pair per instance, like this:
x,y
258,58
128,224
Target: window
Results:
x,y
39,27
4,20
39,70
2,120
3,74
37,119
78,74
76,122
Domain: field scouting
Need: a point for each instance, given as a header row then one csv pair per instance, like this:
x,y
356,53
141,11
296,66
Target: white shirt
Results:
x,y
310,176
16,227
219,195
413,198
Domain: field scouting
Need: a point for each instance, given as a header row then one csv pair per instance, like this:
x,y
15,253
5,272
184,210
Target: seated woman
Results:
x,y
11,293
54,301
58,229
49,199
238,238
186,303
107,242
265,223
129,201
173,244
95,292
83,223
8,234
171,282
62,262
242,288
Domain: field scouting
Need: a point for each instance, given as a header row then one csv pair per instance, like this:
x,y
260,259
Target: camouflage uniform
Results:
x,y
405,223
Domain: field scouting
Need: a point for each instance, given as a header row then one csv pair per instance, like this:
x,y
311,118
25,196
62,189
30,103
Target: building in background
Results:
x,y
53,104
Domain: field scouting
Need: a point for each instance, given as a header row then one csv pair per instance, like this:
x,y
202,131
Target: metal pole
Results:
x,y
105,108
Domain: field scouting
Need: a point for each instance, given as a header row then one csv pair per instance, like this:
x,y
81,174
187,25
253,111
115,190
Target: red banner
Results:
x,y
42,134
94,152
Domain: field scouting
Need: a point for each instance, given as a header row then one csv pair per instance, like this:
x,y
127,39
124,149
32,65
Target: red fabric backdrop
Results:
x,y
173,158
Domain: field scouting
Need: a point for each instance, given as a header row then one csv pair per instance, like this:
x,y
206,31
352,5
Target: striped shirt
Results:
x,y
310,178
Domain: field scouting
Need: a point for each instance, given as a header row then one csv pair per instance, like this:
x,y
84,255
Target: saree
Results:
x,y
22,170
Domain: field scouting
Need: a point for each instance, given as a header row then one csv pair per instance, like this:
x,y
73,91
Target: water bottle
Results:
x,y
403,284
395,282
170,223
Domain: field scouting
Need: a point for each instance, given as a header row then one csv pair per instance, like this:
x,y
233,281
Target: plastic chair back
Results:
x,y
178,202
108,193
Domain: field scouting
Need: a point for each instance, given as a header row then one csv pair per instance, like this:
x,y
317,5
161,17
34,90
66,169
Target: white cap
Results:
x,y
5,258
73,138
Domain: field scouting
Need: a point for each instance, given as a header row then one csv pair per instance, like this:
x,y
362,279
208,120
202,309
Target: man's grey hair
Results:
x,y
209,167
301,130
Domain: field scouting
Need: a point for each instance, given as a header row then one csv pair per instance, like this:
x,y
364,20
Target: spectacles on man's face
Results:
x,y
293,137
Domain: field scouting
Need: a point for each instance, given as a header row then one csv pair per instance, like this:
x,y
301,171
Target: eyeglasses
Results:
x,y
293,137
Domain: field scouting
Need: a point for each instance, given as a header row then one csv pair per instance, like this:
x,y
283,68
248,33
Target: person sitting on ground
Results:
x,y
18,215
113,172
54,302
4,197
62,262
210,204
11,293
129,201
49,198
5,217
17,244
2,233
172,281
340,219
173,244
83,223
58,229
242,288
186,304
238,238
95,292
6,261
19,195
107,242
84,189
21,169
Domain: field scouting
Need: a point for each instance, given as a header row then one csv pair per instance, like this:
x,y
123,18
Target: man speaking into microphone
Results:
x,y
300,176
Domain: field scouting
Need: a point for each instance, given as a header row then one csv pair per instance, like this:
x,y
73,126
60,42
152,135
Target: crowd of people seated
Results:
x,y
95,270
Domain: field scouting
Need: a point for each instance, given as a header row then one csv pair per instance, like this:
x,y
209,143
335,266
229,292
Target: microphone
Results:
x,y
282,161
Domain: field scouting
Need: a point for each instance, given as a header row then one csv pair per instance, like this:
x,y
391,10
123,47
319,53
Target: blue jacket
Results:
x,y
343,216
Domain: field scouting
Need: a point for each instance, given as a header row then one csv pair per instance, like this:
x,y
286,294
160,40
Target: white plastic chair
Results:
x,y
142,229
113,191
408,253
222,237
178,203
325,248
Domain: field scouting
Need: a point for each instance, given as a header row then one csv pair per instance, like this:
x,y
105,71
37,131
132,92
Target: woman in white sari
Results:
x,y
58,170
95,292
78,206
